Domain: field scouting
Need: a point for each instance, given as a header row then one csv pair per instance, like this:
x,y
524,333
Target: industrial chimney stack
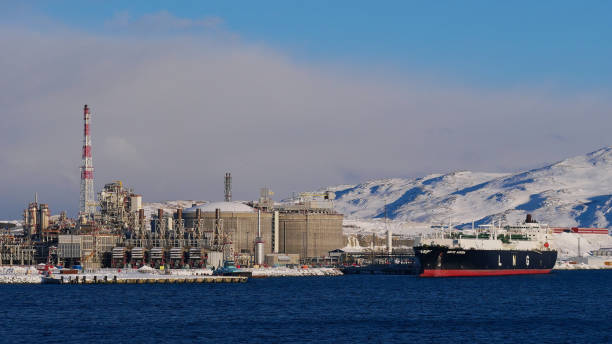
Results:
x,y
228,187
87,204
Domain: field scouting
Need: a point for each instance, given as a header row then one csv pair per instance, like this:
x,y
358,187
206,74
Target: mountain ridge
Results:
x,y
576,191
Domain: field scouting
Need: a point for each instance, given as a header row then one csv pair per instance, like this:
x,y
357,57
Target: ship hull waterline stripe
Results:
x,y
469,273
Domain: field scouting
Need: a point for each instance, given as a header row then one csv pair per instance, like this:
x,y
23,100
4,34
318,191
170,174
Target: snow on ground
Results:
x,y
581,266
292,272
567,243
191,272
14,222
257,272
380,227
368,200
147,270
19,274
139,273
150,208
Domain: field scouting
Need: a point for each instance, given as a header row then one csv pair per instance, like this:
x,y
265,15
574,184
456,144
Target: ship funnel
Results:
x,y
530,219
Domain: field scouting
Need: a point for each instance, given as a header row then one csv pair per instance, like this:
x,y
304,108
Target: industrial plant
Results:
x,y
115,230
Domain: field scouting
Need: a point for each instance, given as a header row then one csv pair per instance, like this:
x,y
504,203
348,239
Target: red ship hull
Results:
x,y
472,273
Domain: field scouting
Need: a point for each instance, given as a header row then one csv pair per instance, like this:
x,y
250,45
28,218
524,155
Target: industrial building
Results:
x,y
282,259
119,207
310,234
308,226
34,243
38,224
114,231
249,231
92,251
240,222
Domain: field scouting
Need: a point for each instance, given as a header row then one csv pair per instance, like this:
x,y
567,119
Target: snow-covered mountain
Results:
x,y
572,192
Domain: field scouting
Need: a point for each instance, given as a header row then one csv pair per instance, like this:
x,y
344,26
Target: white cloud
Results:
x,y
181,110
119,148
161,21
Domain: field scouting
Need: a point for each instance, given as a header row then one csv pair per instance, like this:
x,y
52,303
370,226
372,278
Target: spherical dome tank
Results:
x,y
227,207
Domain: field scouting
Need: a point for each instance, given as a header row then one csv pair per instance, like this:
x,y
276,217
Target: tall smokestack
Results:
x,y
87,204
228,187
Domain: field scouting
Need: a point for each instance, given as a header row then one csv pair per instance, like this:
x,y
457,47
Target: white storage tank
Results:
x,y
136,202
215,259
259,251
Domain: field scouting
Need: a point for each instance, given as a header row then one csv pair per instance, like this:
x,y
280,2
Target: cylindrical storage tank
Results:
x,y
136,202
33,216
239,220
26,218
215,259
44,217
259,251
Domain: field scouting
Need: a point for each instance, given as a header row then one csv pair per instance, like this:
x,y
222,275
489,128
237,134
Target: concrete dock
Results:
x,y
117,279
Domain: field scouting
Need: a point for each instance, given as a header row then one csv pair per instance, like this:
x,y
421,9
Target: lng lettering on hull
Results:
x,y
510,250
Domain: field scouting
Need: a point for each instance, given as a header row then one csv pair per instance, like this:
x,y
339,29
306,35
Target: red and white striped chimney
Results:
x,y
87,204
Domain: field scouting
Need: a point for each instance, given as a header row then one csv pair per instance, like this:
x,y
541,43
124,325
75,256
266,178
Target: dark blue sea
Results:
x,y
563,307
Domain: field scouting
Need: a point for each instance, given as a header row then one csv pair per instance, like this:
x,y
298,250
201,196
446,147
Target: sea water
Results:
x,y
563,307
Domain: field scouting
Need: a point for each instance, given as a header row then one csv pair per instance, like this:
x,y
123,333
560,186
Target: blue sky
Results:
x,y
561,44
293,95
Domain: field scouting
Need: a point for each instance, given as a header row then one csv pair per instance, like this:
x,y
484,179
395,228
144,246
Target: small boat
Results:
x,y
50,280
47,278
229,269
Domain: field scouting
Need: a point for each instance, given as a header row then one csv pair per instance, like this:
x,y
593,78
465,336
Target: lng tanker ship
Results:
x,y
490,251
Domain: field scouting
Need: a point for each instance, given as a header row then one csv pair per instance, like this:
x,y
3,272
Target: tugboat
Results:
x,y
511,250
47,278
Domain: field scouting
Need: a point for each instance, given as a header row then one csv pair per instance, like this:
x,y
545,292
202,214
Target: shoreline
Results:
x,y
14,274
